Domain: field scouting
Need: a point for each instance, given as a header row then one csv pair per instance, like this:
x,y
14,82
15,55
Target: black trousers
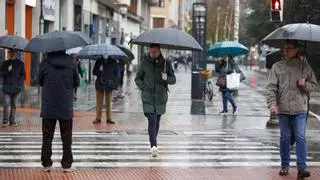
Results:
x,y
48,127
153,127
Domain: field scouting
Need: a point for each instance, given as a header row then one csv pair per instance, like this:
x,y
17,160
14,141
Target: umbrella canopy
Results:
x,y
227,48
309,34
57,41
13,42
168,38
273,57
127,52
98,51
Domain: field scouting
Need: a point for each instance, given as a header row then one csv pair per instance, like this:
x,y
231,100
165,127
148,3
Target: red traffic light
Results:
x,y
276,5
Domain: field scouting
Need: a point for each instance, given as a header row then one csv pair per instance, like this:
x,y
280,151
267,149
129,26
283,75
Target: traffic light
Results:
x,y
276,10
276,5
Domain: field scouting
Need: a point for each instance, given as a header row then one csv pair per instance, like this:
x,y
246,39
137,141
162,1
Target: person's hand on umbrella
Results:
x,y
10,68
274,110
164,76
101,68
302,82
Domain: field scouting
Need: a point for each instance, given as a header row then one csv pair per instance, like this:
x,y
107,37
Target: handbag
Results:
x,y
233,81
221,82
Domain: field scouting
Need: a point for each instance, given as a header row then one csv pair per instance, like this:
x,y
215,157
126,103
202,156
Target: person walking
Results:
x,y
58,78
224,67
289,84
153,77
13,73
107,72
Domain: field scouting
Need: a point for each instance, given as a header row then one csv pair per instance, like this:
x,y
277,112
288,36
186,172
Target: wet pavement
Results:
x,y
206,146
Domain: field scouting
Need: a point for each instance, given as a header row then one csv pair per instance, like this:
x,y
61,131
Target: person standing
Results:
x,y
153,77
107,72
289,84
77,64
58,78
225,67
13,73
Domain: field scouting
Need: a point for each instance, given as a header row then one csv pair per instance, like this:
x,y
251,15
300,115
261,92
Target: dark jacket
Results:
x,y
154,90
77,63
58,77
14,79
223,69
108,79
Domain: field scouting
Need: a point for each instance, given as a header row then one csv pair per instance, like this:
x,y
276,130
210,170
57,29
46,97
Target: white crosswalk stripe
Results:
x,y
192,149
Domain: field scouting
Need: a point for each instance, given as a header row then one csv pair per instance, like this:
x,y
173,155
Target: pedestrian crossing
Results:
x,y
108,150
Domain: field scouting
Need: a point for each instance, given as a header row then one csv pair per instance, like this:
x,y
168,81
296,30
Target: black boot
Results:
x,y
284,172
303,174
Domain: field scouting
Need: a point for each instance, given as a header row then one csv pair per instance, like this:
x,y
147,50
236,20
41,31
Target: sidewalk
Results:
x,y
128,114
156,174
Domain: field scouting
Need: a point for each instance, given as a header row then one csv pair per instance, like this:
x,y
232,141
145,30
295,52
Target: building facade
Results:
x,y
104,21
165,14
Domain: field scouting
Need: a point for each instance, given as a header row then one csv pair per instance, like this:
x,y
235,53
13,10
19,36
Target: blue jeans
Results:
x,y
227,96
298,122
153,127
9,108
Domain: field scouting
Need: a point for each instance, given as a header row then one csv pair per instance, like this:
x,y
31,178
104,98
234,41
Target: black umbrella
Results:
x,y
127,52
307,34
273,57
57,41
168,38
13,42
98,51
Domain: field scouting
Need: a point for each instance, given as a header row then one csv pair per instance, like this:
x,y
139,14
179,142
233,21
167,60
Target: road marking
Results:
x,y
54,146
87,151
184,143
315,115
185,157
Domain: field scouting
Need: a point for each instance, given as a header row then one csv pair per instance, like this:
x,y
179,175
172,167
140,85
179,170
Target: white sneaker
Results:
x,y
46,169
154,151
68,170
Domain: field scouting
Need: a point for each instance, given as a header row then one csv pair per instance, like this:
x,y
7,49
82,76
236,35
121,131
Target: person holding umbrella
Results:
x,y
58,77
289,84
13,73
153,77
224,67
107,72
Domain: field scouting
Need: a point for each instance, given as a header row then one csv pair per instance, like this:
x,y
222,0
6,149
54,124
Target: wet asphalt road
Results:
x,y
185,140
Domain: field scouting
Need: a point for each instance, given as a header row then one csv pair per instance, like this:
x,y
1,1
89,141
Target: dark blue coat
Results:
x,y
58,77
108,79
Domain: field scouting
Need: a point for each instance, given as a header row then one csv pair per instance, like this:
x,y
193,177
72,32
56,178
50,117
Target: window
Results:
x,y
133,6
161,3
158,22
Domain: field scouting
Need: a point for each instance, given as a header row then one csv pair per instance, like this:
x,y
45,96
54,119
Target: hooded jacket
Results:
x,y
154,90
58,77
